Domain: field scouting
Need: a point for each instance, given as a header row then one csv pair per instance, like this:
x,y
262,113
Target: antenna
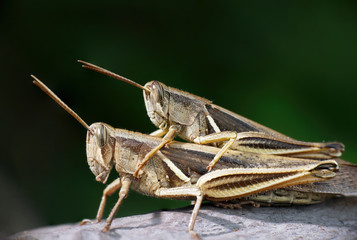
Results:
x,y
44,88
111,74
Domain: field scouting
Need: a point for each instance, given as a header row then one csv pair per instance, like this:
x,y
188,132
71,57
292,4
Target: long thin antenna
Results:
x,y
111,74
44,88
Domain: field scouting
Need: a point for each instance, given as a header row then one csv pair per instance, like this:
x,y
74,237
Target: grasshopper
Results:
x,y
197,120
108,147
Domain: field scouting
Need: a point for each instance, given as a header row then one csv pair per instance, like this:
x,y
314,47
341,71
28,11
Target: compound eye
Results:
x,y
101,134
157,92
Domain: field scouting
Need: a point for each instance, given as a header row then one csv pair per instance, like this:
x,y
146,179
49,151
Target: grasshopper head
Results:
x,y
157,102
100,150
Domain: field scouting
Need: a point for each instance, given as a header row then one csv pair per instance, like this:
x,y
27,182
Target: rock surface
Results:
x,y
333,219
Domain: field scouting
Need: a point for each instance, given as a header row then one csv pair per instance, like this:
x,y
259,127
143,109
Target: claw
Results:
x,y
106,228
88,221
210,166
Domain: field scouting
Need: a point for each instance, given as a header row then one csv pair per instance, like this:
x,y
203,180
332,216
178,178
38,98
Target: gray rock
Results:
x,y
333,219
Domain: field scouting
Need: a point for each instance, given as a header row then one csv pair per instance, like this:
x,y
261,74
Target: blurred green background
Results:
x,y
288,65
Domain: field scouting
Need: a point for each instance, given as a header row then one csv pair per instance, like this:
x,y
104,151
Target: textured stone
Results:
x,y
333,219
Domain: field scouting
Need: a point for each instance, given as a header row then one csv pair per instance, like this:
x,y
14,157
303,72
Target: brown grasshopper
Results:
x,y
108,147
197,120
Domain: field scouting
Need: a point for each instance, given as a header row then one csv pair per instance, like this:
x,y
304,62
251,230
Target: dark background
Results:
x,y
288,65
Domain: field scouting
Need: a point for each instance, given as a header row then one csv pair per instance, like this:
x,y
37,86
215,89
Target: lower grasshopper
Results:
x,y
197,120
167,177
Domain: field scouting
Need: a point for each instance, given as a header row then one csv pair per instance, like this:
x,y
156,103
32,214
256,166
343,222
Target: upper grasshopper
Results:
x,y
197,120
167,176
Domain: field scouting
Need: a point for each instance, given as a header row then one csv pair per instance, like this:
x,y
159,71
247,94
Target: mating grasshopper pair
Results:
x,y
178,170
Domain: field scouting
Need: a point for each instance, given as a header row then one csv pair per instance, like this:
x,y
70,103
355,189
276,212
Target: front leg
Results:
x,y
123,193
228,136
170,135
108,191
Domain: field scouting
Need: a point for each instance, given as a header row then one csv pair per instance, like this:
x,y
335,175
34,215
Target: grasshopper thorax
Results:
x,y
157,102
100,150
